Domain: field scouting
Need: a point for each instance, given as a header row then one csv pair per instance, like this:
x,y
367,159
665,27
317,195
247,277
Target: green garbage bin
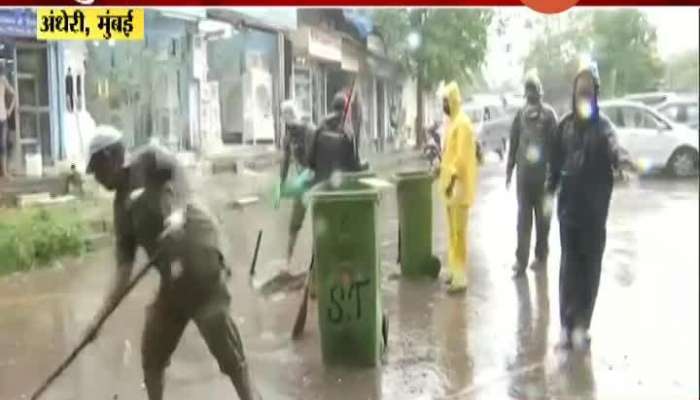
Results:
x,y
346,268
414,194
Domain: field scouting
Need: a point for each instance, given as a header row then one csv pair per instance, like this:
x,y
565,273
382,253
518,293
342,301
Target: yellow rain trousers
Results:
x,y
458,162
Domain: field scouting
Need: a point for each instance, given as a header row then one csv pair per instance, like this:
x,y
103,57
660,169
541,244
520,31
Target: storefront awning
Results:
x,y
265,18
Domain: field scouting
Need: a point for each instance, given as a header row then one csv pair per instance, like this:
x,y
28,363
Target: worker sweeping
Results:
x,y
153,209
458,175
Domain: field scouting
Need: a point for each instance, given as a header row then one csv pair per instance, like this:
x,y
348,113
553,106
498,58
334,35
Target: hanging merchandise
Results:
x,y
79,92
69,91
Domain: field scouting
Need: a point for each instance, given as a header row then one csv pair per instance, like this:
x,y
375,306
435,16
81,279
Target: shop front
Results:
x,y
31,70
386,93
142,88
318,71
247,61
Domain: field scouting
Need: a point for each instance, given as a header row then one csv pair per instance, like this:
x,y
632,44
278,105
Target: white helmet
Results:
x,y
105,136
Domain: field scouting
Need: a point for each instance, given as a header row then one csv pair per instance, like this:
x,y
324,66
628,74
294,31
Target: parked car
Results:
x,y
682,111
652,140
492,125
652,99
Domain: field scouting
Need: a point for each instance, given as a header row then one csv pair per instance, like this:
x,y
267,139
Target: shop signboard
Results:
x,y
18,23
350,58
324,45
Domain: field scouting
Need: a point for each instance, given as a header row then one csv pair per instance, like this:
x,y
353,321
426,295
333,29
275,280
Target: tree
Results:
x,y
621,42
626,51
682,72
555,54
435,45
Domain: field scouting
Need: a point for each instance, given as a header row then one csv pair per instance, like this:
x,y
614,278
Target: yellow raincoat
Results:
x,y
458,161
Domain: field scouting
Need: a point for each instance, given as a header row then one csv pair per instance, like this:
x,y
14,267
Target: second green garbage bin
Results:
x,y
346,268
414,192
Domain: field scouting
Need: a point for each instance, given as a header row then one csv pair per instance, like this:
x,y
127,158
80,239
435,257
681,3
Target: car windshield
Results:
x,y
649,100
692,111
474,114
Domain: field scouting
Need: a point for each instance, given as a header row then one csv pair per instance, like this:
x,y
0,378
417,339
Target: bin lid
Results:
x,y
416,174
348,191
357,175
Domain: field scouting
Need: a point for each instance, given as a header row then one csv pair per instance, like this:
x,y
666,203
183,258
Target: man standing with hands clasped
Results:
x,y
530,137
458,173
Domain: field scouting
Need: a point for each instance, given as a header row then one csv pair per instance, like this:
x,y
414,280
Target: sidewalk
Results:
x,y
258,158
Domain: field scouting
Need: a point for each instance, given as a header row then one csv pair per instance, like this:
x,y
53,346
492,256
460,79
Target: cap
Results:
x,y
289,111
105,136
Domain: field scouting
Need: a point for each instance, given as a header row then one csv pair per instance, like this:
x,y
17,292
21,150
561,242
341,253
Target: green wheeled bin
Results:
x,y
414,193
346,268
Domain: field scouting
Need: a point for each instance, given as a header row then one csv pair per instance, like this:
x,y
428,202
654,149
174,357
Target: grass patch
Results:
x,y
34,237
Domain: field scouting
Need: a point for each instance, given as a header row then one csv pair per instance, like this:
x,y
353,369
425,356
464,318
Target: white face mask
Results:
x,y
584,108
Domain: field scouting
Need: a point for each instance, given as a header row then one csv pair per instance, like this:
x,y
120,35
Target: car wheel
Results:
x,y
683,162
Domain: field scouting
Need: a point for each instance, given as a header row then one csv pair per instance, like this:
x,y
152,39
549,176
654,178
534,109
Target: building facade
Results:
x,y
32,70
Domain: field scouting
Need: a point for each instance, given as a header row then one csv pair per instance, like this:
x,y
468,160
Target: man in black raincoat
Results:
x,y
332,148
530,137
583,156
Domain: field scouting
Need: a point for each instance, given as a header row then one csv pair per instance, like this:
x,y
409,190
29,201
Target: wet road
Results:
x,y
495,342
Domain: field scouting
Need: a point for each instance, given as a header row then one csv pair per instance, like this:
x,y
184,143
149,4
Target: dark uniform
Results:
x,y
193,274
584,155
530,136
332,148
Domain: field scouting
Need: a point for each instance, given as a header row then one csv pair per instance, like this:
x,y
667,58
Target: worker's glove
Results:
x,y
174,225
436,172
450,189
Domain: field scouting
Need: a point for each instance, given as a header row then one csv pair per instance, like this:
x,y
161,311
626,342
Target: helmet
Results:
x,y
105,136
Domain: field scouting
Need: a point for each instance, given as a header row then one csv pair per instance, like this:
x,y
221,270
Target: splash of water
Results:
x,y
336,179
533,154
585,109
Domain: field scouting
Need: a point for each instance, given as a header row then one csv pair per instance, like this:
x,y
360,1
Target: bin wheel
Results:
x,y
435,266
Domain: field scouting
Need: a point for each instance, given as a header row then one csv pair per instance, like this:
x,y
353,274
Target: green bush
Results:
x,y
35,237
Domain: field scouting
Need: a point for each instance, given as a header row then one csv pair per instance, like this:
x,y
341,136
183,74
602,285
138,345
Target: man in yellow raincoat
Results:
x,y
458,174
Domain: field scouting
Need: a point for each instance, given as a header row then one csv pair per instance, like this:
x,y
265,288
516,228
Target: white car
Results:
x,y
652,99
492,125
682,111
652,140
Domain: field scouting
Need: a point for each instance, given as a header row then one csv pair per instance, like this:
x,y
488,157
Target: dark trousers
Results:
x,y
206,303
582,250
295,224
531,201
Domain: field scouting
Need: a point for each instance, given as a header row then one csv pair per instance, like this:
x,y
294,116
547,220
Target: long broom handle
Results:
x,y
255,254
88,338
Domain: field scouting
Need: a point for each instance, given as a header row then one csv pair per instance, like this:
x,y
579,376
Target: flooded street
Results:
x,y
495,342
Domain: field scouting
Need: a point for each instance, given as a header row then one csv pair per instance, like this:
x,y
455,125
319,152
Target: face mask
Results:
x,y
584,108
532,98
